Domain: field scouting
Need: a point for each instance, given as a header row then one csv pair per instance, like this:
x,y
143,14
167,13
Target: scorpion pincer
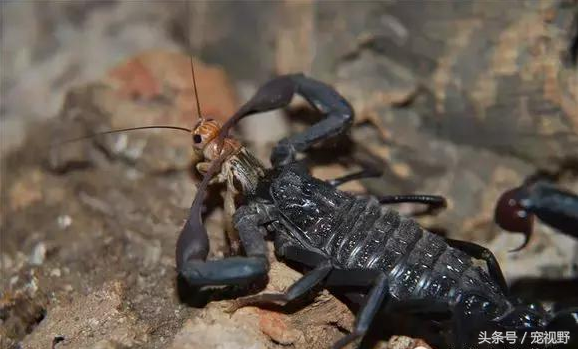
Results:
x,y
348,240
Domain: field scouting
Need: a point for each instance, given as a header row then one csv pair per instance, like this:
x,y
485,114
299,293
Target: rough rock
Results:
x,y
93,321
212,330
400,342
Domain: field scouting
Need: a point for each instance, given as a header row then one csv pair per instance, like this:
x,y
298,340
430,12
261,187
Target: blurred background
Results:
x,y
461,99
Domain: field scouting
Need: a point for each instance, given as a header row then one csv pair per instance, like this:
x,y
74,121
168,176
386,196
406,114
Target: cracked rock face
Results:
x,y
89,227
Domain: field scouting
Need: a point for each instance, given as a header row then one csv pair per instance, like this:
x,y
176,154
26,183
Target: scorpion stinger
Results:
x,y
516,209
511,216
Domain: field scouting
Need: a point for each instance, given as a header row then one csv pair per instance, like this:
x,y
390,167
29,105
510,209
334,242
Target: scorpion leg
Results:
x,y
365,316
333,277
300,288
344,277
485,254
364,173
233,270
286,250
278,93
433,202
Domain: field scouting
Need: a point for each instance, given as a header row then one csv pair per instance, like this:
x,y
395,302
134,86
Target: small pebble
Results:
x,y
38,254
93,322
64,221
13,280
32,285
55,272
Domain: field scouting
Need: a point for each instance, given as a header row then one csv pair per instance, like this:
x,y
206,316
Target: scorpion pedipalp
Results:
x,y
193,242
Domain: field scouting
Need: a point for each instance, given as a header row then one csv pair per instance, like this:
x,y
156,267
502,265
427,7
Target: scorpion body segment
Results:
x,y
357,233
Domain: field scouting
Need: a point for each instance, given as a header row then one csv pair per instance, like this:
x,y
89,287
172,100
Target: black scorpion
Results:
x,y
348,240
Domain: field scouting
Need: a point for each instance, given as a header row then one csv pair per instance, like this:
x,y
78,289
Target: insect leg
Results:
x,y
483,253
203,167
234,270
278,93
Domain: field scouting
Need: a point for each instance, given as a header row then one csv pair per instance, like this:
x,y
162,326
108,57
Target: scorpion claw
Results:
x,y
193,241
224,272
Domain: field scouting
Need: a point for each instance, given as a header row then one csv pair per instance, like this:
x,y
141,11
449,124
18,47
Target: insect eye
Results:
x,y
197,138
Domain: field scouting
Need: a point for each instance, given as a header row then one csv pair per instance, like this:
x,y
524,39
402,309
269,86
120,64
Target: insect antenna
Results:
x,y
93,135
189,49
199,115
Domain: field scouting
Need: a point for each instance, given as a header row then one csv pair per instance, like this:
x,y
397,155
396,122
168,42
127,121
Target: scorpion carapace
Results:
x,y
516,209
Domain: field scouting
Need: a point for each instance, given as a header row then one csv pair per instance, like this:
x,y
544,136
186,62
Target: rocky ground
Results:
x,y
89,227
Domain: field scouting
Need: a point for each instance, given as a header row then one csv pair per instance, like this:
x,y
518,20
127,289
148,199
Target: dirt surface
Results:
x,y
88,228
